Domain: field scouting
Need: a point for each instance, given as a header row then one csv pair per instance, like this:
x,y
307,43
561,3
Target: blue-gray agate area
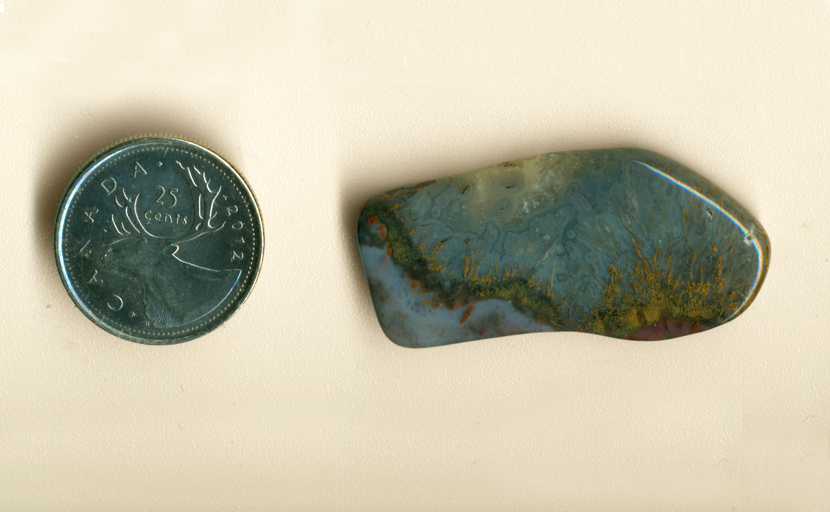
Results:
x,y
619,242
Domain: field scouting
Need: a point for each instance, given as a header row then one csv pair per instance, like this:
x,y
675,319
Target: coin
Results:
x,y
158,240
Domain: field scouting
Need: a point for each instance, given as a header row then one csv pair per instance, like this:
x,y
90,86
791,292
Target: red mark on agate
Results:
x,y
649,333
381,229
386,258
466,315
666,328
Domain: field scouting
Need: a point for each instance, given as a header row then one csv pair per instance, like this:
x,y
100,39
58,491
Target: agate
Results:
x,y
624,243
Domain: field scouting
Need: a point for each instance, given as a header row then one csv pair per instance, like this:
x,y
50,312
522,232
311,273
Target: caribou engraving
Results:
x,y
175,289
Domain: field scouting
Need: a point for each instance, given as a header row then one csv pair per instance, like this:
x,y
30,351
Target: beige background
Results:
x,y
299,402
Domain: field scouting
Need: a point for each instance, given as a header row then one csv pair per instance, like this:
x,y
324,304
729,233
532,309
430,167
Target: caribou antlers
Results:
x,y
205,206
123,202
128,221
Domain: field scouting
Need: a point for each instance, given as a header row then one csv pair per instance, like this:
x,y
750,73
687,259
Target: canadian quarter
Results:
x,y
158,240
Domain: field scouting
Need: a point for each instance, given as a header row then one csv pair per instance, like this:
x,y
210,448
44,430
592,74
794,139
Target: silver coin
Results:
x,y
158,240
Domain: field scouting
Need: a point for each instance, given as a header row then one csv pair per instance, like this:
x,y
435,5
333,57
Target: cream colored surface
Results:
x,y
299,402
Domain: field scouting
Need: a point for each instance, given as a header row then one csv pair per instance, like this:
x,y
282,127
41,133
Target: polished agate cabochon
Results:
x,y
623,243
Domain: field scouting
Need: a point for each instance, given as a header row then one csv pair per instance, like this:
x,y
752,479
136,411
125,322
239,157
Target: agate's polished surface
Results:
x,y
621,242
